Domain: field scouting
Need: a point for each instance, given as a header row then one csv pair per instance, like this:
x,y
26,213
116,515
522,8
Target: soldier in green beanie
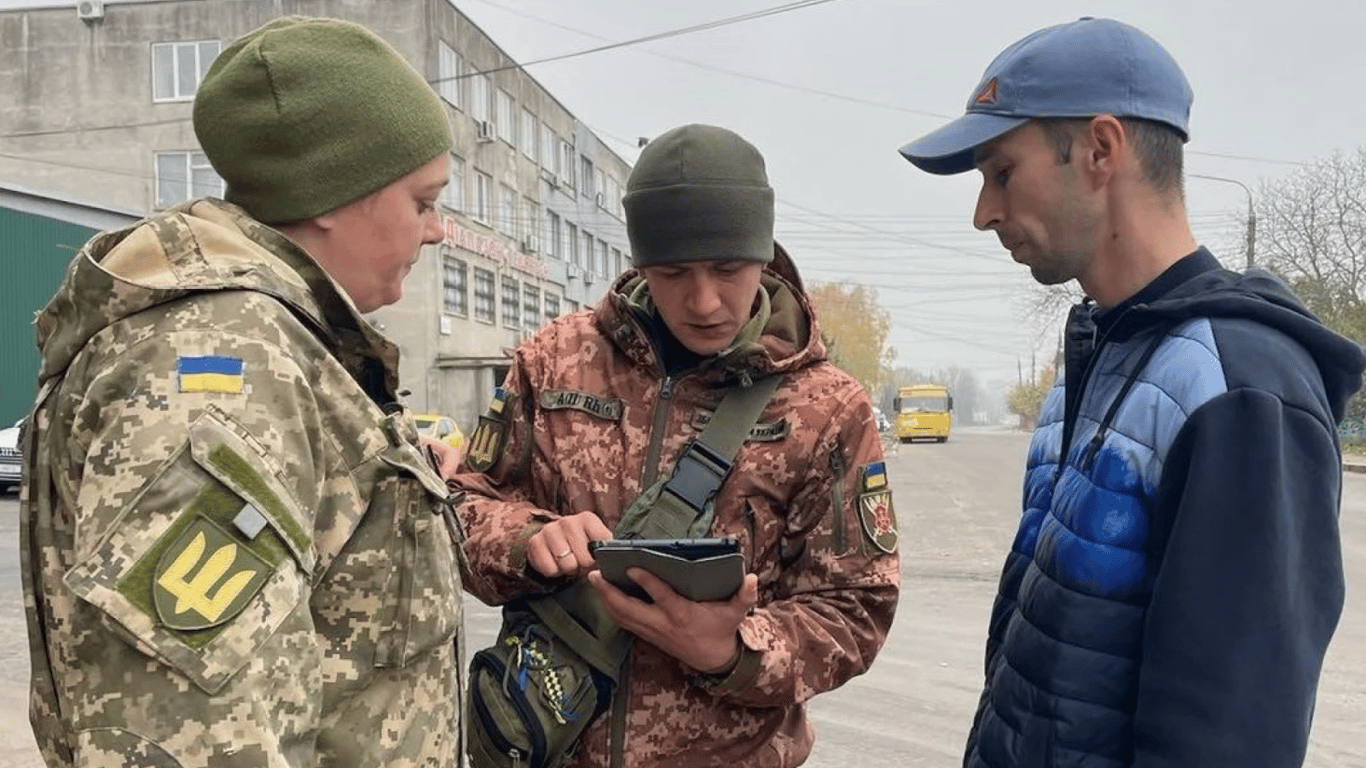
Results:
x,y
606,409
237,551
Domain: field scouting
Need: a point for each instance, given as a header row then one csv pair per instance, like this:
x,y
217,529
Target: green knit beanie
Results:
x,y
699,193
305,115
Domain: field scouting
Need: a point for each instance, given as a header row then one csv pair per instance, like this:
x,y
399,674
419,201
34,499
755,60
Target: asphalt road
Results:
x,y
957,505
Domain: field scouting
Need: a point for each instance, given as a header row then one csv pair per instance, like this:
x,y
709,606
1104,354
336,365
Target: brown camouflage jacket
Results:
x,y
587,422
230,551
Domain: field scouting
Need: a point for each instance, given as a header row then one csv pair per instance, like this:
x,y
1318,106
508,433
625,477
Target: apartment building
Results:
x,y
97,107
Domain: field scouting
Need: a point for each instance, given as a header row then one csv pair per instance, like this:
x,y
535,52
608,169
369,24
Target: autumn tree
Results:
x,y
1025,399
855,329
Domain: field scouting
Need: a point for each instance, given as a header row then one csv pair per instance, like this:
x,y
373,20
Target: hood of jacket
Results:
x,y
199,246
1259,296
782,334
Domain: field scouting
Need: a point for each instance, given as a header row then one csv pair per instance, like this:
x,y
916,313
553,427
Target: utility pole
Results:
x,y
1251,215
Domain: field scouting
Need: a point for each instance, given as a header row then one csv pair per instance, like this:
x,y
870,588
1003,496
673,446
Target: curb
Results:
x,y
1353,467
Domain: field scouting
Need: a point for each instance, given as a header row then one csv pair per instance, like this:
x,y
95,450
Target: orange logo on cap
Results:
x,y
988,94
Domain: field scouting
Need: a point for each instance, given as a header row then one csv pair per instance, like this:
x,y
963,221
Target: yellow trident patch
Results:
x,y
486,444
222,582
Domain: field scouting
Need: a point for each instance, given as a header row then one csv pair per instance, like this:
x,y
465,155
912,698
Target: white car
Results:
x,y
11,471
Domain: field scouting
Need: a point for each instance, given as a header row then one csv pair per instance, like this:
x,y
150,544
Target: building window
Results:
x,y
507,211
618,262
531,225
505,116
587,251
586,175
512,303
531,307
483,191
566,167
177,68
555,244
600,187
571,236
547,147
483,295
454,300
479,98
529,125
604,268
449,69
573,305
454,193
183,176
552,305
612,199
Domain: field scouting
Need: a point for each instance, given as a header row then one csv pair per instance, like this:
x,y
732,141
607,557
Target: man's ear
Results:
x,y
1105,149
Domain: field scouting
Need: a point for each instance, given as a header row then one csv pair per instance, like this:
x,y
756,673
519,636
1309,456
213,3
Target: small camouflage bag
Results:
x,y
531,696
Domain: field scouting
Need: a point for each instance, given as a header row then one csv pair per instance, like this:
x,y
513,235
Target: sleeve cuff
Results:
x,y
740,676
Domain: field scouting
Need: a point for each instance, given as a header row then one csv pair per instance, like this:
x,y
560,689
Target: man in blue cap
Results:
x,y
1177,573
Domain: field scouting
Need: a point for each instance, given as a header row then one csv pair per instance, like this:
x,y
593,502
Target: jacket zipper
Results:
x,y
837,496
651,469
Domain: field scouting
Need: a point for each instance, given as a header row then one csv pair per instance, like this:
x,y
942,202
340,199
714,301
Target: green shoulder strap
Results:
x,y
681,508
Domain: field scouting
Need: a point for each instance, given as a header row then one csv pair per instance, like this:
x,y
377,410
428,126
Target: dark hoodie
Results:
x,y
1176,579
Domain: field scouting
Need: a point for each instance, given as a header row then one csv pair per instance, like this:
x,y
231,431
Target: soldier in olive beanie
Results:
x,y
305,115
697,193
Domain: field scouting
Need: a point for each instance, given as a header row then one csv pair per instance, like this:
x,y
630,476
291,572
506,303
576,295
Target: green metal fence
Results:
x,y
34,254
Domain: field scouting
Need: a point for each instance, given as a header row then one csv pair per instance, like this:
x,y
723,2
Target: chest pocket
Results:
x,y
420,604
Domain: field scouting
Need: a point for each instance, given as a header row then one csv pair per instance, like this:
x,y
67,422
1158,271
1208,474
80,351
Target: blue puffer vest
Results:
x,y
1064,648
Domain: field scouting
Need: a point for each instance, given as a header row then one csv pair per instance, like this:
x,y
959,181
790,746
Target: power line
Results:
x,y
730,72
705,26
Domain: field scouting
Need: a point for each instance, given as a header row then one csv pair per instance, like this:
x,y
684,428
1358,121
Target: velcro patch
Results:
x,y
610,409
204,569
872,477
879,519
210,373
760,433
205,577
486,444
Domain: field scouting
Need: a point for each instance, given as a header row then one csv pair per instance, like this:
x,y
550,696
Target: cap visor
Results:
x,y
949,149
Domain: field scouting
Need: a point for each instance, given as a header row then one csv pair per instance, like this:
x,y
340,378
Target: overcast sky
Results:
x,y
1276,84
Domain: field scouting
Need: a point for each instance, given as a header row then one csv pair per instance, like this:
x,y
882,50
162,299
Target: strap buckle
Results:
x,y
698,475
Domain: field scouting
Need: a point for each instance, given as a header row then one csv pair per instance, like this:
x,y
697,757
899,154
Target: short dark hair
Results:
x,y
1157,146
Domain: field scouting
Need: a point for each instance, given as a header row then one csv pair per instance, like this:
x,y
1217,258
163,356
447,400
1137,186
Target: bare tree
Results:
x,y
1313,234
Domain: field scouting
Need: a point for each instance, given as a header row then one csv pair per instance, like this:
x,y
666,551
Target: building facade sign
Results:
x,y
488,246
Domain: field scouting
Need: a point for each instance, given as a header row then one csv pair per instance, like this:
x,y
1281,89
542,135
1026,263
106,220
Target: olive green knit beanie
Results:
x,y
698,193
305,115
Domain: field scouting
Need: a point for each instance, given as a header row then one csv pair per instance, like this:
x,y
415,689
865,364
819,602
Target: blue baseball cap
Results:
x,y
1082,69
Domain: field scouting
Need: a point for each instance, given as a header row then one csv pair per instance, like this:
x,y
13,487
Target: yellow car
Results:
x,y
442,428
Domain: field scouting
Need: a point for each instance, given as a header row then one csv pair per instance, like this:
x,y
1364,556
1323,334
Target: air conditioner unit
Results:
x,y
528,246
483,130
598,199
90,10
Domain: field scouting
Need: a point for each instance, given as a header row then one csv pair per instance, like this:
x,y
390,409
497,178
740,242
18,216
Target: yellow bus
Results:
x,y
923,410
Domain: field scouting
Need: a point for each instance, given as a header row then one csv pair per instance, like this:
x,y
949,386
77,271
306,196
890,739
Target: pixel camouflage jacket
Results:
x,y
590,419
230,552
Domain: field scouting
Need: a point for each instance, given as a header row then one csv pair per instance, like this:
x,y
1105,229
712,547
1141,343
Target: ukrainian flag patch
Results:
x,y
873,476
210,373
